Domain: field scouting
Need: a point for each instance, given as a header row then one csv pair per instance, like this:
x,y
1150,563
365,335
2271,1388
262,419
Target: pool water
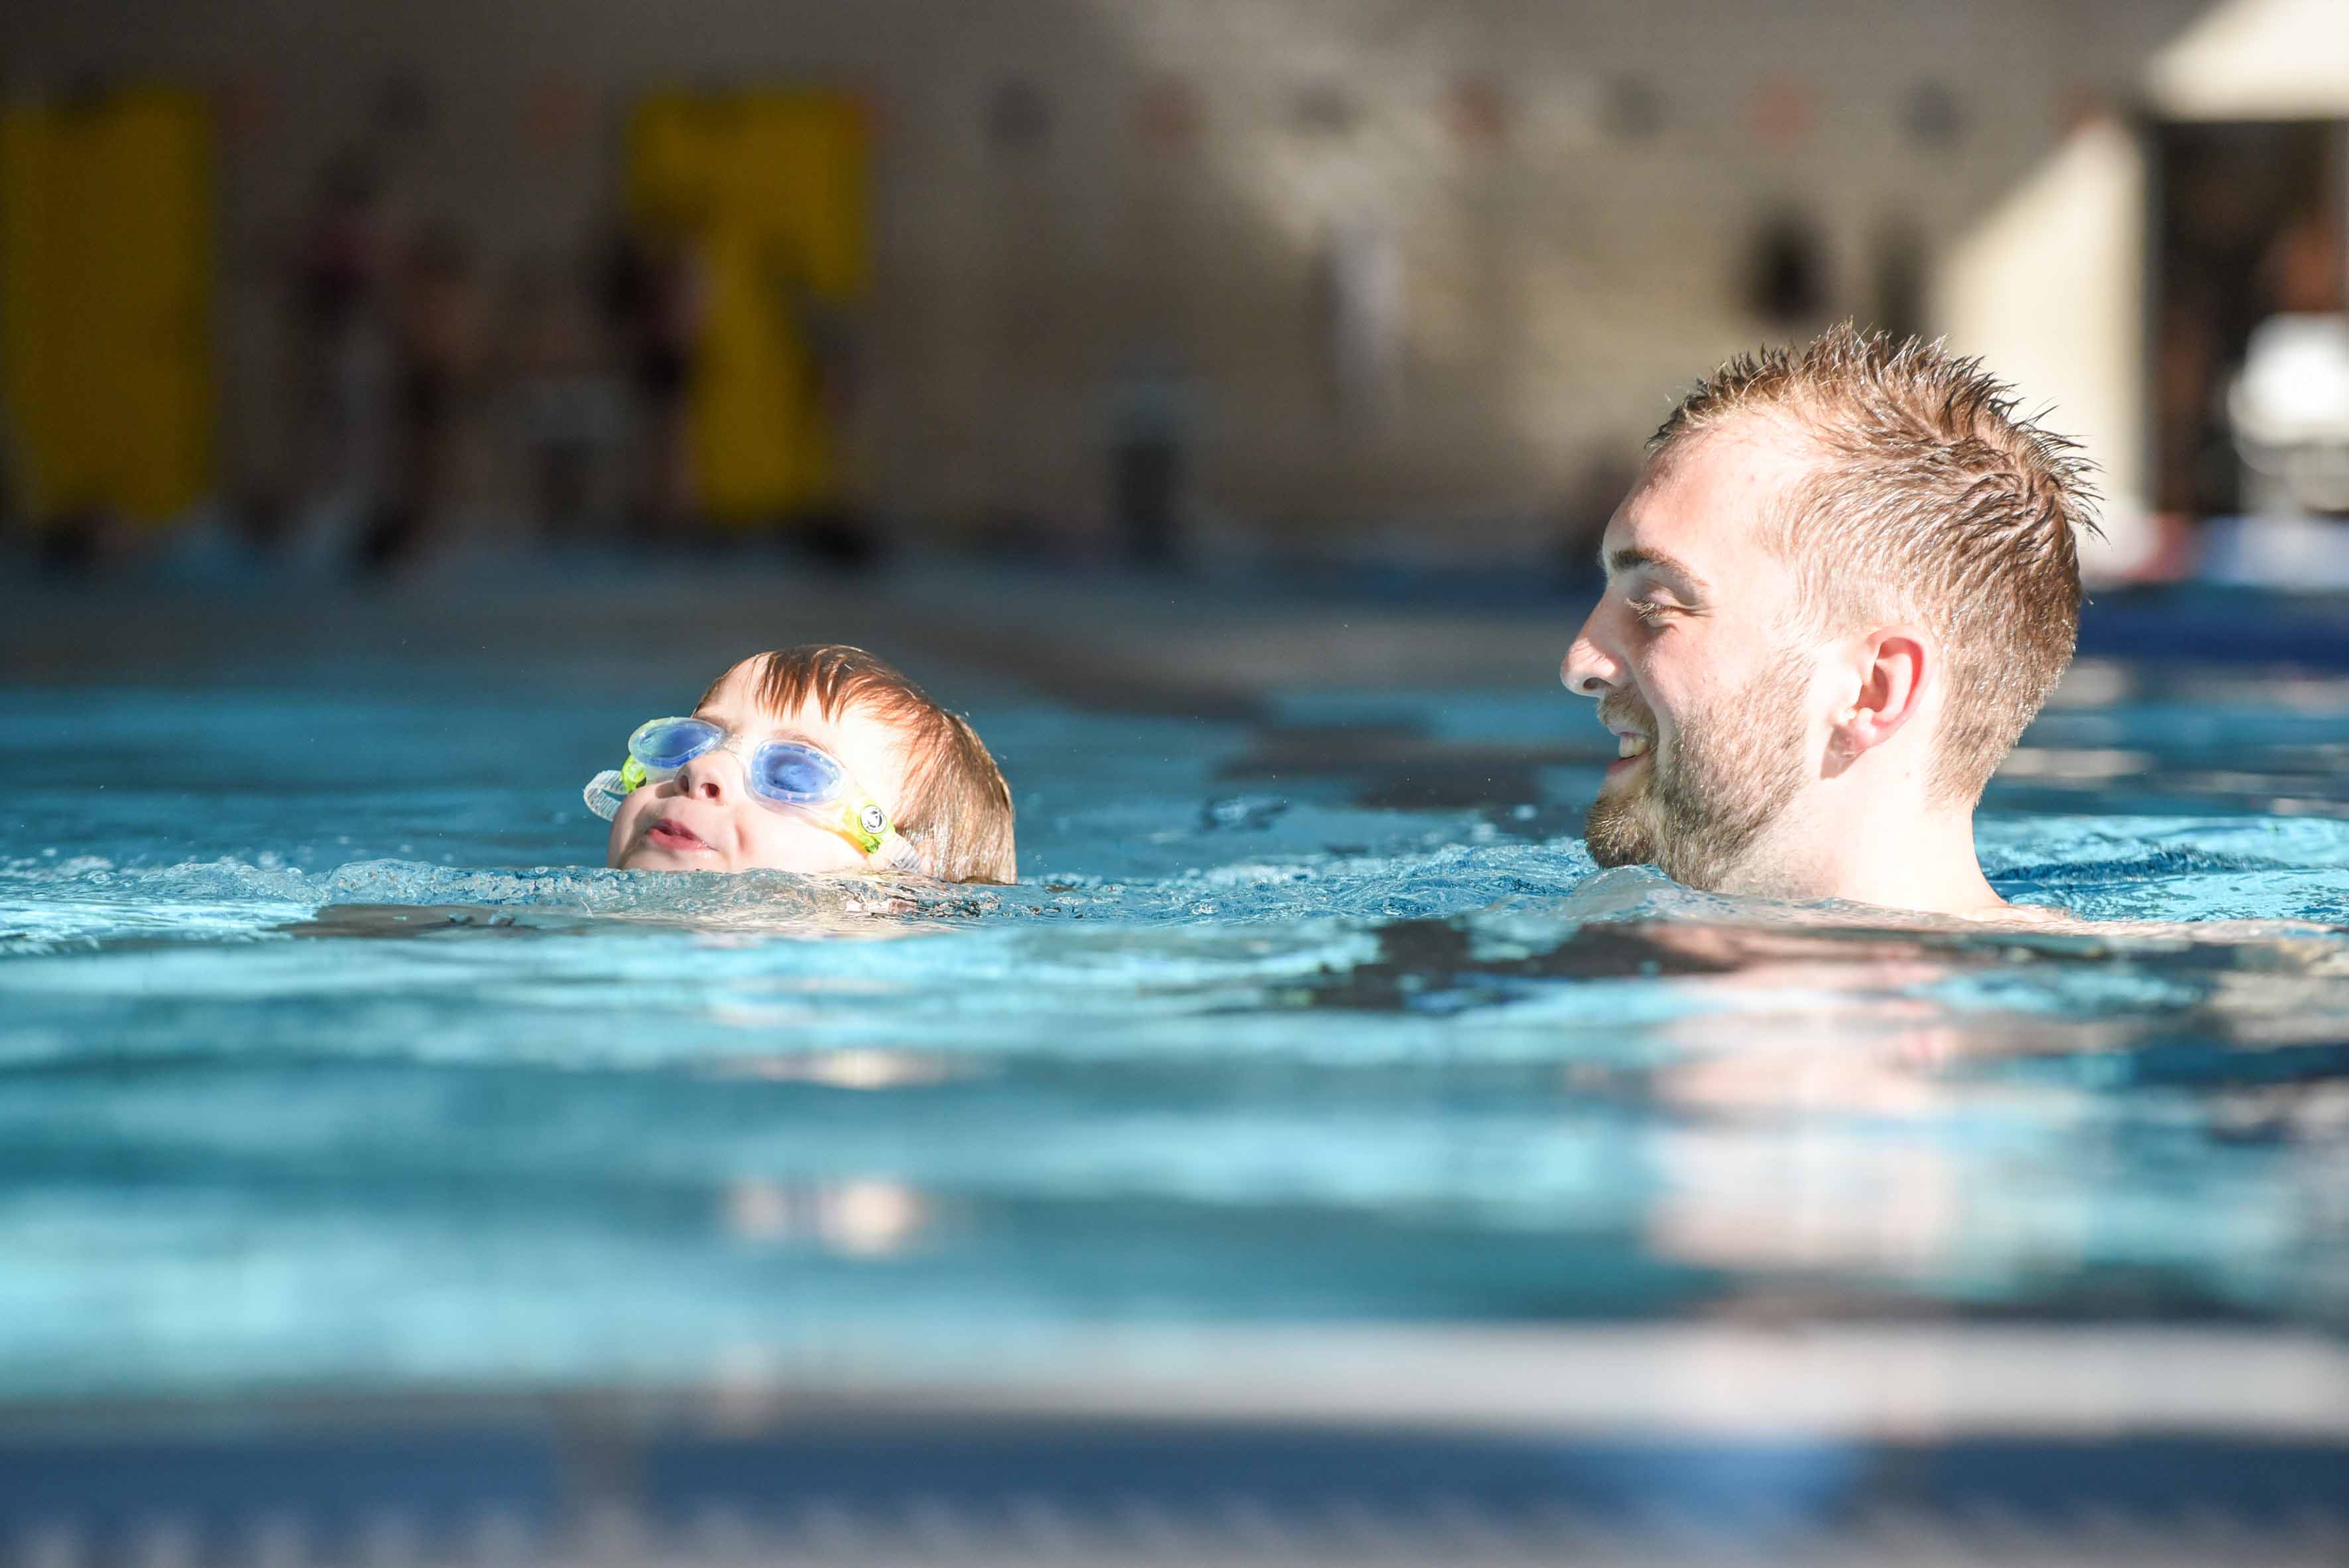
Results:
x,y
329,1056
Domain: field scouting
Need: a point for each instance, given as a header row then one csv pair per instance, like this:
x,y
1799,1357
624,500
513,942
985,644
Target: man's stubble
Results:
x,y
1731,771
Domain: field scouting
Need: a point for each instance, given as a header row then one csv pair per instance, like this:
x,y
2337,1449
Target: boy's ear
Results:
x,y
1888,676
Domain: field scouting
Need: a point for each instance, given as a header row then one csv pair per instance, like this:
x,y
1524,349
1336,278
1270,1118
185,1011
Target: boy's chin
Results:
x,y
654,858
796,857
659,860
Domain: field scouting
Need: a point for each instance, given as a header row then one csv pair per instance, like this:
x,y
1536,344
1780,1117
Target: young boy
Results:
x,y
815,759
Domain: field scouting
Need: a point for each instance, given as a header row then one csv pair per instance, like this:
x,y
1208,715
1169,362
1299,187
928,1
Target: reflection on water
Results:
x,y
872,1217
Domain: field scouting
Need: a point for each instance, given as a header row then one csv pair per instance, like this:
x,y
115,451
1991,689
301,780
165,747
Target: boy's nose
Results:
x,y
708,777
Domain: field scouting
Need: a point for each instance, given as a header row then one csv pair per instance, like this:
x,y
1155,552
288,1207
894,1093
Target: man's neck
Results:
x,y
1897,855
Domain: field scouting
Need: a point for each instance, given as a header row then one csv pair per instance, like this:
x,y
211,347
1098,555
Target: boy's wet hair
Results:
x,y
956,810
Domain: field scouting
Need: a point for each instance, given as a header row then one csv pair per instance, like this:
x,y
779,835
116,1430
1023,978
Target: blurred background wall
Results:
x,y
1080,275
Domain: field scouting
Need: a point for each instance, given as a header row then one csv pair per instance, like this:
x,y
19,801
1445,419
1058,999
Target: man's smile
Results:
x,y
1633,756
1633,744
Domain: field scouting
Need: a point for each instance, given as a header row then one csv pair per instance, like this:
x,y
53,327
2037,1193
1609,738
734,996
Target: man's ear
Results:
x,y
1891,667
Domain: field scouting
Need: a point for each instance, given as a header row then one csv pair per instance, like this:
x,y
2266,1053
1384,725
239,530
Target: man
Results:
x,y
1842,585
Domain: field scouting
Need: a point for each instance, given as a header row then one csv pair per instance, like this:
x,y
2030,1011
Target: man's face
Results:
x,y
706,819
1690,654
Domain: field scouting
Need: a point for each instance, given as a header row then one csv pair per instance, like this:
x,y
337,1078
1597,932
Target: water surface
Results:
x,y
328,1055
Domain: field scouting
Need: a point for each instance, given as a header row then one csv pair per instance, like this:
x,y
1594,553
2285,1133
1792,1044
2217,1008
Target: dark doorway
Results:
x,y
2248,225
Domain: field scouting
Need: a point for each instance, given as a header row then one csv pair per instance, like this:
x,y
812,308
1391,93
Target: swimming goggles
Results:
x,y
785,775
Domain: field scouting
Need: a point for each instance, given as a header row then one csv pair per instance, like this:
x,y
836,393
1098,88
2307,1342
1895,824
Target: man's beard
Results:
x,y
1701,807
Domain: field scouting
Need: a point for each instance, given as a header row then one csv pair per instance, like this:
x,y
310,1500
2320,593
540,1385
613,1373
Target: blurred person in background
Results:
x,y
337,283
830,335
1842,585
436,336
1153,410
652,299
1358,288
562,397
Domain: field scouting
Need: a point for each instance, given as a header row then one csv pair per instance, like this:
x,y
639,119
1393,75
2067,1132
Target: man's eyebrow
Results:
x,y
1634,558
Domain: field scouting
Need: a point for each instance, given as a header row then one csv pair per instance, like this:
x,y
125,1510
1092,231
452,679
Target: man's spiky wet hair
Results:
x,y
957,809
1933,500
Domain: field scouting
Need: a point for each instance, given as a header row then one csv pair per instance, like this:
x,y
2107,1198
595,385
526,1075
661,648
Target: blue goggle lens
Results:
x,y
781,771
673,744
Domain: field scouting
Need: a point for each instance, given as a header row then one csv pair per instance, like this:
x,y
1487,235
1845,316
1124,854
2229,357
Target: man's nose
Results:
x,y
1590,670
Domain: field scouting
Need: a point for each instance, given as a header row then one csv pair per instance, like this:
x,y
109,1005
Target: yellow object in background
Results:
x,y
768,190
106,302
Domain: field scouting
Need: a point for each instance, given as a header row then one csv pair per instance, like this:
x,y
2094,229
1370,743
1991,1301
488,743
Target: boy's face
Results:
x,y
706,819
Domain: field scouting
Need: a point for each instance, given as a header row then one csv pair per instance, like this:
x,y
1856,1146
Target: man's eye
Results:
x,y
1649,611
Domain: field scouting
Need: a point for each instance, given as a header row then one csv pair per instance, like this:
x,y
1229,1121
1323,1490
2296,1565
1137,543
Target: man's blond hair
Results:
x,y
1933,500
958,809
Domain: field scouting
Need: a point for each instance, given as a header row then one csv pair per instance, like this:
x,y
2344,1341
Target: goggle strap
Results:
x,y
606,791
899,855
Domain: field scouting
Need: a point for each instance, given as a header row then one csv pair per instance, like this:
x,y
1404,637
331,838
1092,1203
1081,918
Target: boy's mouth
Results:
x,y
670,834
